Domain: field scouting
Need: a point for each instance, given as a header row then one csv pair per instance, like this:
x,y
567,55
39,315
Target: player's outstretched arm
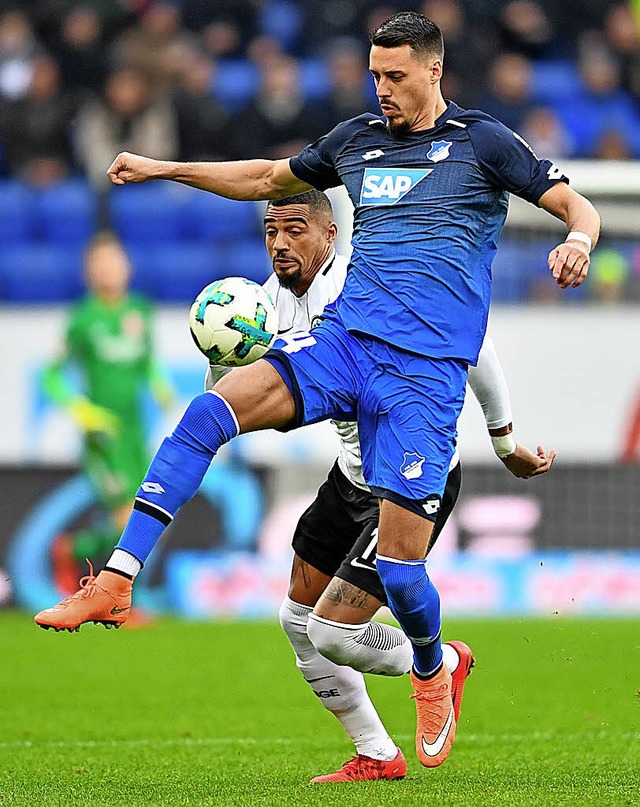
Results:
x,y
569,261
247,180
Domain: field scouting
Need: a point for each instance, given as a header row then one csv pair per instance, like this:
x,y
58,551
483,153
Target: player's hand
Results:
x,y
132,168
93,418
524,464
569,263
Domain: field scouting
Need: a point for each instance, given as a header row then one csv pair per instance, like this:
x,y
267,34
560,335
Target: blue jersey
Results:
x,y
429,209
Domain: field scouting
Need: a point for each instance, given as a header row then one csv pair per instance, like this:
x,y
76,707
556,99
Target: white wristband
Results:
x,y
504,445
576,235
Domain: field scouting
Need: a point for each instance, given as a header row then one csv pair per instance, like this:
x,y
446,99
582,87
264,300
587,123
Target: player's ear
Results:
x,y
332,232
436,70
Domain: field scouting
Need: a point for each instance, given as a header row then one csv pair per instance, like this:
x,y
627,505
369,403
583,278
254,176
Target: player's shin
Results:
x,y
415,603
341,690
176,472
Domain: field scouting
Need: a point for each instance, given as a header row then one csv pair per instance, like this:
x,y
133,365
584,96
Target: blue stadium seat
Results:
x,y
66,213
175,272
510,272
314,78
148,214
16,206
212,218
38,273
235,82
246,259
184,270
554,81
282,20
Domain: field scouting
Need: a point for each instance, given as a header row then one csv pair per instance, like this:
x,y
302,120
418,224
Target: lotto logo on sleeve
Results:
x,y
387,186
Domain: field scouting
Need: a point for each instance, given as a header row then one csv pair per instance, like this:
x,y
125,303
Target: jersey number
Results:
x,y
297,342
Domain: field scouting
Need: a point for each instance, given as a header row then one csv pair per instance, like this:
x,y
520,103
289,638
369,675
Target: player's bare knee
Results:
x,y
258,396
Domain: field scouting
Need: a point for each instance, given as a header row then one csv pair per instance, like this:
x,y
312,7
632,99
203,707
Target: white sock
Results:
x,y
341,689
124,562
450,657
371,647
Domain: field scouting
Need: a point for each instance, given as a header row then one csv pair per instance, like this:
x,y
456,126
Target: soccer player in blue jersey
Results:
x,y
430,183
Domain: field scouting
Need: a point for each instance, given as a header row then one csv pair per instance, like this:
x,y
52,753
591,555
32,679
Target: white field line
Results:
x,y
195,742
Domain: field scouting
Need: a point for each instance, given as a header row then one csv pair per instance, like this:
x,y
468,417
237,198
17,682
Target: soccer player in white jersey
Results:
x,y
335,589
430,183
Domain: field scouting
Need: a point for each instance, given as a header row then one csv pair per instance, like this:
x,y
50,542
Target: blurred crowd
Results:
x,y
232,79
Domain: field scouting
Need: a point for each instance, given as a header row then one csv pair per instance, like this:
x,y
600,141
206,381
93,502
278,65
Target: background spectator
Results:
x,y
129,118
36,127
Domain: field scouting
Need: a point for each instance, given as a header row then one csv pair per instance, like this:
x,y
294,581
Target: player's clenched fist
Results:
x,y
569,263
132,168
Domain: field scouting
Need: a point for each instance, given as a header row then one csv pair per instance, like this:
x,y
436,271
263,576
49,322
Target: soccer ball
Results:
x,y
233,322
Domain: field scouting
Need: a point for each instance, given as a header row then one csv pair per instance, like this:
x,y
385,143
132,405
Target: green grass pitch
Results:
x,y
216,714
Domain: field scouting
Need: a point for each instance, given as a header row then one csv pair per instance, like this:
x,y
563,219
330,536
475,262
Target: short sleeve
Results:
x,y
315,164
509,163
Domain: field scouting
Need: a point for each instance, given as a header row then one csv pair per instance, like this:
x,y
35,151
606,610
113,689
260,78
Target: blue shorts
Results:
x,y
406,406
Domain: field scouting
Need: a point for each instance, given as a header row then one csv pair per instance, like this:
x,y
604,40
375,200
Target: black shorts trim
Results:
x,y
281,363
413,505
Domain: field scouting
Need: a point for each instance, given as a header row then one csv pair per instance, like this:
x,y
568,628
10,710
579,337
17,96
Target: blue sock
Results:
x,y
177,470
415,603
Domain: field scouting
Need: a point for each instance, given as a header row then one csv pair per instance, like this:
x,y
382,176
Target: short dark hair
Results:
x,y
413,29
317,201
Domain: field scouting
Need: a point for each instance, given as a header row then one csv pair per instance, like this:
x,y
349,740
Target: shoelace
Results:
x,y
87,586
434,695
359,764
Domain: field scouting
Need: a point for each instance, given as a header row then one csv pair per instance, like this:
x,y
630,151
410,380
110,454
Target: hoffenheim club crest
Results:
x,y
411,467
439,151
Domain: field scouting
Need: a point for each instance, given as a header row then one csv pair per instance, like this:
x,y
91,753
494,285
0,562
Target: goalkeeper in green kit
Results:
x,y
109,340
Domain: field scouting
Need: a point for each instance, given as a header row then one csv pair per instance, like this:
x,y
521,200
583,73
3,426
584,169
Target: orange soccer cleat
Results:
x,y
436,723
460,674
105,600
361,768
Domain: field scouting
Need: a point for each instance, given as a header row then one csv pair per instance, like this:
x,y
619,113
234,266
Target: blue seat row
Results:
x,y
171,272
66,212
163,212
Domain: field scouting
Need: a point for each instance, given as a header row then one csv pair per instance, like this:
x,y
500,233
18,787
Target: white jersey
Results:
x,y
297,314
302,313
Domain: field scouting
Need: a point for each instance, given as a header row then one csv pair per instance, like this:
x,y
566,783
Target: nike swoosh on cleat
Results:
x,y
433,749
116,610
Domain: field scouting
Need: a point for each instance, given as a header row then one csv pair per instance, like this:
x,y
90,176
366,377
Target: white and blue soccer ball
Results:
x,y
233,322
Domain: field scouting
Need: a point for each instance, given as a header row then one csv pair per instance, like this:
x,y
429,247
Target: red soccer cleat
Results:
x,y
459,676
105,599
361,769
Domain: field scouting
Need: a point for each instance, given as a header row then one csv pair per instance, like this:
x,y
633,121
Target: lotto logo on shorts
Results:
x,y
387,186
431,506
411,467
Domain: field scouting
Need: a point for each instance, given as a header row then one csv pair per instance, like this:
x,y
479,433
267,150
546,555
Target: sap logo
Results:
x,y
389,185
327,693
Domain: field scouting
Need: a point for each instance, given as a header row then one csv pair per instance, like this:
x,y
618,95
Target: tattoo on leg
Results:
x,y
301,569
343,593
